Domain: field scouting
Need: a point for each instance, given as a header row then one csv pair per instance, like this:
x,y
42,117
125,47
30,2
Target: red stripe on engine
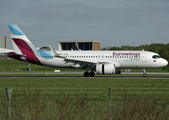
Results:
x,y
26,50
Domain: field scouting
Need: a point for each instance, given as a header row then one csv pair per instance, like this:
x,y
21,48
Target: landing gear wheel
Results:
x,y
92,74
86,74
144,75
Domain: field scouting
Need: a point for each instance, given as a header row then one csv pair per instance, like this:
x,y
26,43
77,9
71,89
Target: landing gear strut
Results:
x,y
144,73
87,74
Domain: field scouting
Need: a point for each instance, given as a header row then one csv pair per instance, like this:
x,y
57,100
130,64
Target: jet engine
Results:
x,y
105,69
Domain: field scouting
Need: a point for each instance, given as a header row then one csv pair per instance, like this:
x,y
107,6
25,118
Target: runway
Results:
x,y
84,77
72,74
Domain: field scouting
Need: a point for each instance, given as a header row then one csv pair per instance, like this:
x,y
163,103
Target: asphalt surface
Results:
x,y
84,77
74,72
30,74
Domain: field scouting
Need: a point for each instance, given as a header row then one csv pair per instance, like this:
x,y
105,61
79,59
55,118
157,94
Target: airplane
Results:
x,y
99,62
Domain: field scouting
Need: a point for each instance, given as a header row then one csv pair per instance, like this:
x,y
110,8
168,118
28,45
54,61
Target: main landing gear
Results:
x,y
144,73
87,74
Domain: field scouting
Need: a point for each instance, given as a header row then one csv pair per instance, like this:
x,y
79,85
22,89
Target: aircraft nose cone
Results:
x,y
164,62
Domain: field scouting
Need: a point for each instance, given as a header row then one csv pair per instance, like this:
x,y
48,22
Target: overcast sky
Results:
x,y
112,22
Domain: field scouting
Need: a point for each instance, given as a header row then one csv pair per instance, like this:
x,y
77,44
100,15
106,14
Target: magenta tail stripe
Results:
x,y
26,50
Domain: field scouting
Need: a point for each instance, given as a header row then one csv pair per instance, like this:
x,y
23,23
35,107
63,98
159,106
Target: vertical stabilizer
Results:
x,y
22,45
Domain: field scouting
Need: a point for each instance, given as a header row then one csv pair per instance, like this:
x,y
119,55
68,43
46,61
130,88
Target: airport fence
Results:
x,y
84,103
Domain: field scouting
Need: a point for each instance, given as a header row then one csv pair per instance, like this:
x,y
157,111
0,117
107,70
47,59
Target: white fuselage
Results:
x,y
123,59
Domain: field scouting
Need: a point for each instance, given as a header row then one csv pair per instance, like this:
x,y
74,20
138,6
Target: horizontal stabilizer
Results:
x,y
16,55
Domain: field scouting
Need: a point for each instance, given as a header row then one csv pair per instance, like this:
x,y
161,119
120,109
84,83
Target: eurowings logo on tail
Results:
x,y
23,46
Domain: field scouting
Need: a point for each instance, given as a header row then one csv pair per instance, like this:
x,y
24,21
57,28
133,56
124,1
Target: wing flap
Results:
x,y
79,61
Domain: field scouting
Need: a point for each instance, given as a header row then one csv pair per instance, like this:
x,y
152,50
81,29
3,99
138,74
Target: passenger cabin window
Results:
x,y
156,56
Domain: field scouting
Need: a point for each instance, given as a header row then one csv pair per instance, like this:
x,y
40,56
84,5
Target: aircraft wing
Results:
x,y
5,51
86,63
81,62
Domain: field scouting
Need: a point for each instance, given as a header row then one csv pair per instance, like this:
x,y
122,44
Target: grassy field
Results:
x,y
83,83
97,87
85,98
81,98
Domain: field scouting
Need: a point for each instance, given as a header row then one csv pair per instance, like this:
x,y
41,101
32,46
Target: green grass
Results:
x,y
83,82
131,98
61,97
95,87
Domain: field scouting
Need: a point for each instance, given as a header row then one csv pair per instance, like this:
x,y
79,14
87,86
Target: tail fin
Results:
x,y
22,45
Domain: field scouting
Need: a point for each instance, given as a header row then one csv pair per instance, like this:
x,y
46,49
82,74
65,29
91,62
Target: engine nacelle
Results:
x,y
105,69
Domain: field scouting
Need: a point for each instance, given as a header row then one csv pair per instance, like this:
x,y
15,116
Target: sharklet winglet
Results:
x,y
54,52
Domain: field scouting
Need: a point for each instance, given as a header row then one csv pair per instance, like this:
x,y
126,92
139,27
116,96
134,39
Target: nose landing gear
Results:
x,y
144,73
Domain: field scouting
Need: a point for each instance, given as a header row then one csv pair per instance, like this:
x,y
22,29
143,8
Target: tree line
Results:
x,y
159,48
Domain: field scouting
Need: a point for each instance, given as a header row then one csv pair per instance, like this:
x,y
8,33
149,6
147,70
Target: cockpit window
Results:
x,y
156,56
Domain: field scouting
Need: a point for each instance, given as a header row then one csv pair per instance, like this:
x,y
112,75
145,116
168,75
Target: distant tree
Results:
x,y
145,47
115,48
103,48
111,48
154,49
125,47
